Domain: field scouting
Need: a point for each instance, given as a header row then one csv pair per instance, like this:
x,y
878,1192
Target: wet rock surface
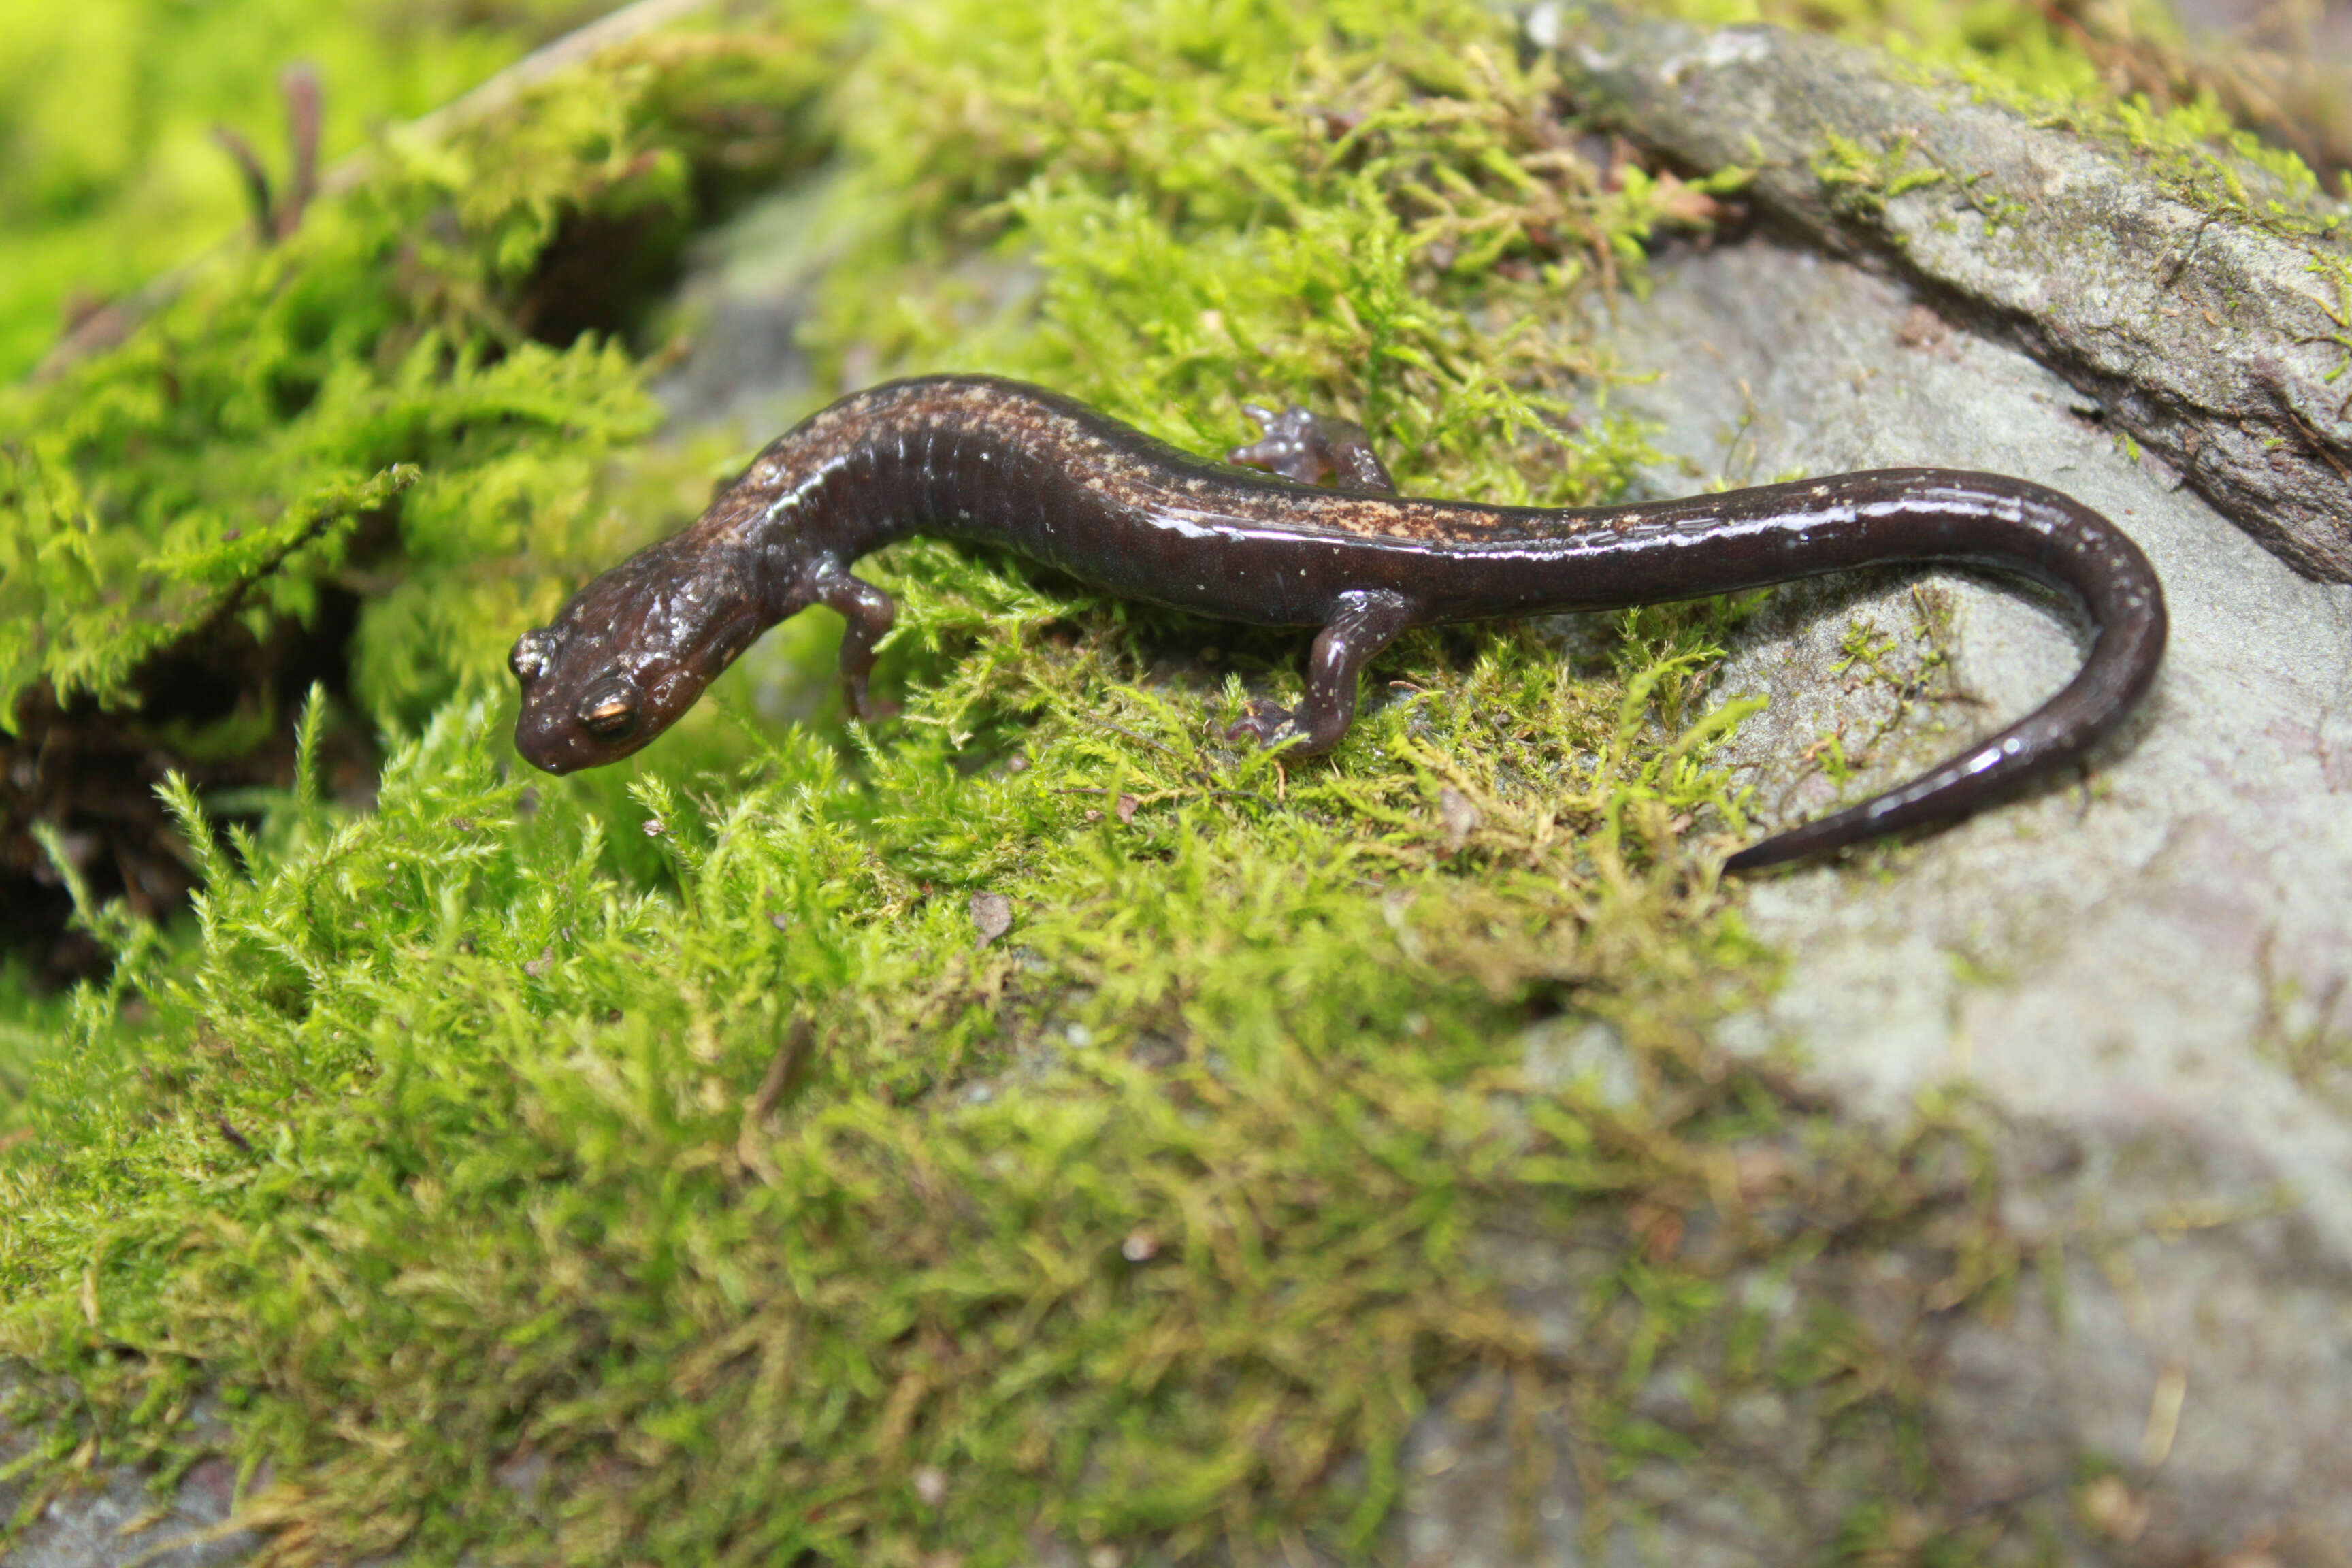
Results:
x,y
2143,975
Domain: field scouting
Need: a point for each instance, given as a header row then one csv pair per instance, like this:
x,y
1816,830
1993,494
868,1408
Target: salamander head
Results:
x,y
633,650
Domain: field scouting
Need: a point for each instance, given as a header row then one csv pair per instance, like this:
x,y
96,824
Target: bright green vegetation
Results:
x,y
246,449
108,175
669,1155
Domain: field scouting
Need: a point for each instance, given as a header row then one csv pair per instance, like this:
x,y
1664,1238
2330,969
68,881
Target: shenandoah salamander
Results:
x,y
977,457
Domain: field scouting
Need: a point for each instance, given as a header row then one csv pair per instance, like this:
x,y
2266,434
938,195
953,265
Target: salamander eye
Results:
x,y
533,652
610,709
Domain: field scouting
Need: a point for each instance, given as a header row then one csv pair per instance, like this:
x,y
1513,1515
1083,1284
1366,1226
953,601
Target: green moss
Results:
x,y
108,175
675,1133
31,1027
1356,209
2199,156
256,443
449,1039
1862,180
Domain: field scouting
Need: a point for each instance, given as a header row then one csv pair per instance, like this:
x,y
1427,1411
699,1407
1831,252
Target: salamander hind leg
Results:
x,y
1315,449
870,614
1366,623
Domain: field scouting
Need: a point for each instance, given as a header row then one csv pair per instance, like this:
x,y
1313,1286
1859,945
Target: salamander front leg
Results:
x,y
870,612
1366,623
1315,449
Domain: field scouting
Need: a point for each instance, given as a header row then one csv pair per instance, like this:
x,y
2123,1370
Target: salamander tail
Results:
x,y
2077,549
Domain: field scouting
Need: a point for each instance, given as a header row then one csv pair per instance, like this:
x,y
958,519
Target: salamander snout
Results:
x,y
632,651
561,727
565,723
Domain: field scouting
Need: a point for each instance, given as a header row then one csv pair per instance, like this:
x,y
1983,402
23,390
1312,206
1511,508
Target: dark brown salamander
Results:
x,y
977,457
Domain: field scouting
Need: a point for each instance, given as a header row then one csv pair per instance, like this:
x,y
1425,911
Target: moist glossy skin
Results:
x,y
983,458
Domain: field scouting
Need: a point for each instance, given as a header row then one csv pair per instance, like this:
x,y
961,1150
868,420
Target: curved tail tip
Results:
x,y
1774,851
1826,835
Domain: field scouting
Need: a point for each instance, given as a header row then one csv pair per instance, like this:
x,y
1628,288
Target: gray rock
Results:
x,y
747,289
2142,977
2182,914
116,1518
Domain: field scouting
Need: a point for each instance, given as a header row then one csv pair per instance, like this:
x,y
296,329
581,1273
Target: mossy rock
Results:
x,y
1032,1118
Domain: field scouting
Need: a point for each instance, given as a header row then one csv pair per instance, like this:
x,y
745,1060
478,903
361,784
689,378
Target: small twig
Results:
x,y
257,195
300,87
1138,739
1161,795
2320,448
104,328
274,221
791,1059
510,84
781,1071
